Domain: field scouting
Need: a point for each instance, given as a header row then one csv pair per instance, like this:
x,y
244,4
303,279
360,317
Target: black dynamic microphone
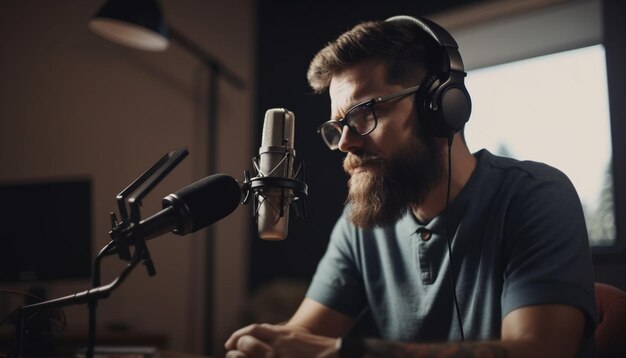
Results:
x,y
190,209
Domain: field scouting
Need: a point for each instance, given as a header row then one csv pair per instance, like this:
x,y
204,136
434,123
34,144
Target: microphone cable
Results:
x,y
447,218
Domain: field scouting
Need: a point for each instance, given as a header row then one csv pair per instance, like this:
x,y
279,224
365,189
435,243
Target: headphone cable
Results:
x,y
447,217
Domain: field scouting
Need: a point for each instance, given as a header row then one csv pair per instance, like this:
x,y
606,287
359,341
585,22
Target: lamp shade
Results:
x,y
135,23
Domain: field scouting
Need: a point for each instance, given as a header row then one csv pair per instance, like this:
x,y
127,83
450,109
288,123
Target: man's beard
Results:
x,y
381,194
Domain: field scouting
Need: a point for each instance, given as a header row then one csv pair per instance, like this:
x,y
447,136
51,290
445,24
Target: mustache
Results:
x,y
354,161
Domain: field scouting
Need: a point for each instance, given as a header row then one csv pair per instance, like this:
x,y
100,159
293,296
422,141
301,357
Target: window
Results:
x,y
553,109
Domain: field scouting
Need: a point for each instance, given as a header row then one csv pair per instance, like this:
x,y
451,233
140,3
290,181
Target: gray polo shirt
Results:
x,y
518,238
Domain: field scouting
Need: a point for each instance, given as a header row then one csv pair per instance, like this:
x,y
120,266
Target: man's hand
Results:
x,y
265,340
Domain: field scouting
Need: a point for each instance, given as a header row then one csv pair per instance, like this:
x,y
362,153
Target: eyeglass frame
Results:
x,y
340,123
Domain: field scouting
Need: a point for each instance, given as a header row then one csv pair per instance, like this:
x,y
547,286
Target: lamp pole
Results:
x,y
215,70
140,24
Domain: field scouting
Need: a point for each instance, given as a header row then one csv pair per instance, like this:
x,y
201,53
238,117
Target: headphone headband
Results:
x,y
441,36
434,30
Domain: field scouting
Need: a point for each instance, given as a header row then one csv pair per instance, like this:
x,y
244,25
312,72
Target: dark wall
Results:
x,y
289,35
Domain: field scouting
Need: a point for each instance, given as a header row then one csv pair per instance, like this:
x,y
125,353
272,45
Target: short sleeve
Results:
x,y
547,249
338,282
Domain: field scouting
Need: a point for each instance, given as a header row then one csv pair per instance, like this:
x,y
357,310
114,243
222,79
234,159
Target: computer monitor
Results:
x,y
45,231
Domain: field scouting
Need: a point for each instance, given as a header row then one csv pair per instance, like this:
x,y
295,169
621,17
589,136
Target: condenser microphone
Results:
x,y
276,157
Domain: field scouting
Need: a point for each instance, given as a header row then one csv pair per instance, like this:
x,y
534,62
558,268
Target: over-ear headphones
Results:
x,y
443,101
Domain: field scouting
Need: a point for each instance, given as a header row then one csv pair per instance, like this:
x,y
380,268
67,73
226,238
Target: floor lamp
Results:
x,y
140,24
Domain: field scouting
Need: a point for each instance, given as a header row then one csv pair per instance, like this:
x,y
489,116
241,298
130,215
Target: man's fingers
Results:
x,y
253,347
231,343
235,354
263,332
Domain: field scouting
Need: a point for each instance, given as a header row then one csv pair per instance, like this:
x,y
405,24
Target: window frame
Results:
x,y
555,27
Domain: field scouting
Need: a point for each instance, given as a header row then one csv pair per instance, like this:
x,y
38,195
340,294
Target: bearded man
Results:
x,y
453,254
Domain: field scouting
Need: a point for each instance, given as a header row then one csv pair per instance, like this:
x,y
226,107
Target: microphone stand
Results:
x,y
123,235
93,303
90,296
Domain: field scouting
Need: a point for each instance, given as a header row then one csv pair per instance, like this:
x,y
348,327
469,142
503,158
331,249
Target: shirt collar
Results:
x,y
409,224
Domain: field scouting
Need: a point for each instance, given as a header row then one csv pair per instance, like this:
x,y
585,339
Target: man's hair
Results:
x,y
409,54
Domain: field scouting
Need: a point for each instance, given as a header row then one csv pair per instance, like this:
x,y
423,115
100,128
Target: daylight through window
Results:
x,y
552,109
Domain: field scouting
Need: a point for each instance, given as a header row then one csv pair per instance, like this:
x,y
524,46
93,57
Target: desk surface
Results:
x,y
137,352
171,354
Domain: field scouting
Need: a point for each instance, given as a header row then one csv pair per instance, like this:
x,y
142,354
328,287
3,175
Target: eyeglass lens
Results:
x,y
331,134
360,120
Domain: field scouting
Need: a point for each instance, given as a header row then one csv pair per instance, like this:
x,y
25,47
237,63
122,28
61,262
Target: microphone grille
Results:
x,y
278,128
209,199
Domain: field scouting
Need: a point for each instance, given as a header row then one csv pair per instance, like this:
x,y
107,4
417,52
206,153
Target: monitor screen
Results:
x,y
45,230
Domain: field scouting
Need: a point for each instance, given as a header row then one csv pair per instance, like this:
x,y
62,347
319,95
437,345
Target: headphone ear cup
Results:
x,y
429,117
454,106
443,107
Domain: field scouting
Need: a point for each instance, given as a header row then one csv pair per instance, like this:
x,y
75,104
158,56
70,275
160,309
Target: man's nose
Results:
x,y
350,142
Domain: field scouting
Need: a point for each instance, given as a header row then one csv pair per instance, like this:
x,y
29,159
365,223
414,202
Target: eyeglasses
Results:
x,y
360,119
